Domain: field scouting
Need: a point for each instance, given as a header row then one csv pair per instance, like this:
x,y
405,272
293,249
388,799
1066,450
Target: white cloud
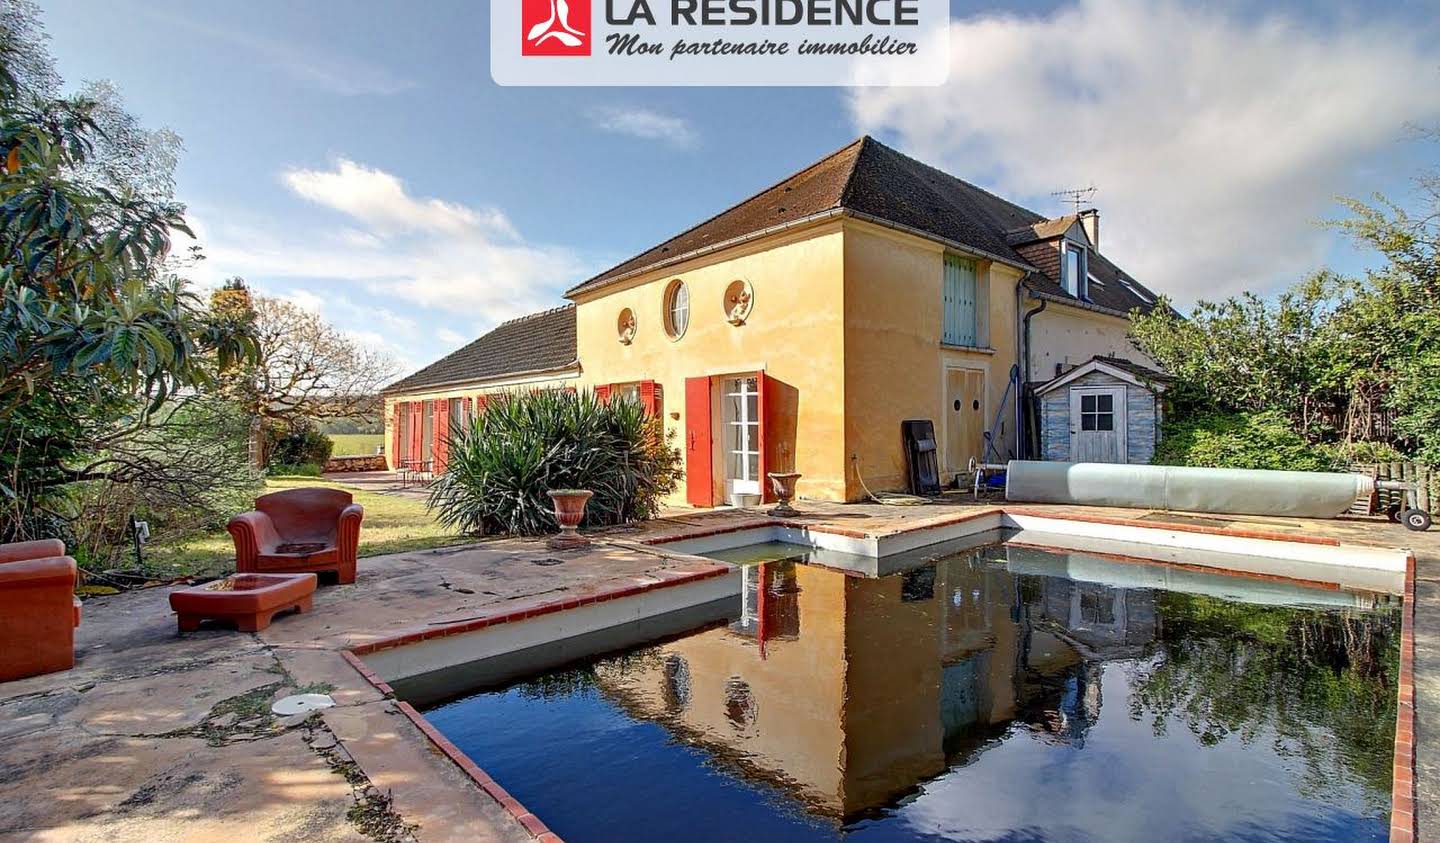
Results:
x,y
645,124
454,267
379,200
1216,142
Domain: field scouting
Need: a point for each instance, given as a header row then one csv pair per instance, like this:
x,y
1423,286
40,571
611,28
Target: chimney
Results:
x,y
1090,221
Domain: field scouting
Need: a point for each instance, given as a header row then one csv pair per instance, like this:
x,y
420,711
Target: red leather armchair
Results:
x,y
314,529
38,609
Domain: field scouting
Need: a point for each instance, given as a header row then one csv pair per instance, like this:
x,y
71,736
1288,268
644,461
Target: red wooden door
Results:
x,y
699,481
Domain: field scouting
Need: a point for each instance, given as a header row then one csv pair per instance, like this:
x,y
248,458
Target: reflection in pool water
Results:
x,y
1004,694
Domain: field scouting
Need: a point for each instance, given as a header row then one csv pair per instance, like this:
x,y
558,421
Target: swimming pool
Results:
x,y
1004,693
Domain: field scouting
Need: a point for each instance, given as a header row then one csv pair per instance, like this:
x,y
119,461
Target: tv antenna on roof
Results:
x,y
1077,196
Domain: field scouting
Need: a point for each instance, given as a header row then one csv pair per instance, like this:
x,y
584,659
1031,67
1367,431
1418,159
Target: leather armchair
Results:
x,y
314,529
38,609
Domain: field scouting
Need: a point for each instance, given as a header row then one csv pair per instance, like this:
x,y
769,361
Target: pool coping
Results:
x,y
512,806
1402,812
1402,789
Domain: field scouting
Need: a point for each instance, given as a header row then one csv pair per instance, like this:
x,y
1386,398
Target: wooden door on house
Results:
x,y
1097,424
964,418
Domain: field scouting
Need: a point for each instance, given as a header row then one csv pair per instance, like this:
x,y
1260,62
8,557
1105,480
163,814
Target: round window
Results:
x,y
677,309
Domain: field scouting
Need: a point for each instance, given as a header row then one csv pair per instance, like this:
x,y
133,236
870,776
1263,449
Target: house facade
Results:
x,y
796,330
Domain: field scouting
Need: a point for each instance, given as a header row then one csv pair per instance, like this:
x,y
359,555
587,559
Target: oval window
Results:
x,y
677,309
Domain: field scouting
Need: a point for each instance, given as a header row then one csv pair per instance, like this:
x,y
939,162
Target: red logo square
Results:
x,y
554,27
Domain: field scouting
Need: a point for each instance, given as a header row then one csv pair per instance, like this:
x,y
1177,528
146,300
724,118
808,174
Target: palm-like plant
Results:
x,y
527,443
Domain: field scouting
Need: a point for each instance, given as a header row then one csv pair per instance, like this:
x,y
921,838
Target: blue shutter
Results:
x,y
960,305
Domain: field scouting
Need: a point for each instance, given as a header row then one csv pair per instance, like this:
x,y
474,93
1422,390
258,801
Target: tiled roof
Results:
x,y
540,342
870,180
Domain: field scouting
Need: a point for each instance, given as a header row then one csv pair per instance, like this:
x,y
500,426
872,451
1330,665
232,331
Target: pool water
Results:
x,y
1006,694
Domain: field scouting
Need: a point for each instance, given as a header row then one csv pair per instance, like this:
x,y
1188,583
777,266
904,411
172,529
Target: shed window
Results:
x,y
962,321
1097,412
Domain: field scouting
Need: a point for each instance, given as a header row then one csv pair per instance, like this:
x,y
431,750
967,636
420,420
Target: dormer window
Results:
x,y
1074,270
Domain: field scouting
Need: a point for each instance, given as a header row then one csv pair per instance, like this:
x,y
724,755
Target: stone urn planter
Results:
x,y
569,512
783,482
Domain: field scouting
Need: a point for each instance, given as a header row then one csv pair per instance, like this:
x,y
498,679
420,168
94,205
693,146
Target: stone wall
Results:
x,y
369,462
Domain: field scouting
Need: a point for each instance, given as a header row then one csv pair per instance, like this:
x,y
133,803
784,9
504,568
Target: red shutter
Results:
x,y
466,413
417,430
396,415
441,430
647,397
480,402
602,393
699,484
767,494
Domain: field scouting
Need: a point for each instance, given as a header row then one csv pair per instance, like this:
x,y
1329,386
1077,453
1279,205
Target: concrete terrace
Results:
x,y
154,737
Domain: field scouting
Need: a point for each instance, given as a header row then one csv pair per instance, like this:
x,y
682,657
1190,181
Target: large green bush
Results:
x,y
1241,440
526,444
300,445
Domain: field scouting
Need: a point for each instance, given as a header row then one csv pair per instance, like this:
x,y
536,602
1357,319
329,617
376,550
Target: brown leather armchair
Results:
x,y
38,609
314,529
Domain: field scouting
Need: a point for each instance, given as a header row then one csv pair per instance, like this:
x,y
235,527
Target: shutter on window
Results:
x,y
960,301
699,484
766,493
441,428
647,397
417,430
397,413
602,393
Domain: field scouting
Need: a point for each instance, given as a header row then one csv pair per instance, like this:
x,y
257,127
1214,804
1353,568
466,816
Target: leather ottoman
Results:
x,y
249,601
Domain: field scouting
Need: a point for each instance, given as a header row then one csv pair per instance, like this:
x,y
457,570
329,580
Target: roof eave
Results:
x,y
1076,303
498,380
829,214
953,244
580,289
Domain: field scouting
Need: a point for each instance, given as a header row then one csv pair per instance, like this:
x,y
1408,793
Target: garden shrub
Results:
x,y
1241,440
307,469
528,443
298,446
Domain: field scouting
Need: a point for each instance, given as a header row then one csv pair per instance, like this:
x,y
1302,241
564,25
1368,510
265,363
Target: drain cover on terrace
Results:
x,y
301,704
547,561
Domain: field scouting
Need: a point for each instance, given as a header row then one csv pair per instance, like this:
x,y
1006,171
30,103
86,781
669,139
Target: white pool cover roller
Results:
x,y
1303,494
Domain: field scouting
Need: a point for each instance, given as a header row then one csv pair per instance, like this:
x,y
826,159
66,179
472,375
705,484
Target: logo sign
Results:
x,y
720,42
554,27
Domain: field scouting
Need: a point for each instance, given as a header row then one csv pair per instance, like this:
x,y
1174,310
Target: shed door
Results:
x,y
1097,424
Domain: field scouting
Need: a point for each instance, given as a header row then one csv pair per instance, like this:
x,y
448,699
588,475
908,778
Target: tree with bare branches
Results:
x,y
307,369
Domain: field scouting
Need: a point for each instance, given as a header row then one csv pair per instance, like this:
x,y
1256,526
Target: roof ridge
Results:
x,y
756,195
864,141
534,315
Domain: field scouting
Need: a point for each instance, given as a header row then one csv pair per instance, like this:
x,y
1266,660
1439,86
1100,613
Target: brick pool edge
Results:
x,y
1402,811
1402,790
512,806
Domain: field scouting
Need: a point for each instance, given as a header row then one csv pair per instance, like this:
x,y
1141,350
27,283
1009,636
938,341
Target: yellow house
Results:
x,y
798,329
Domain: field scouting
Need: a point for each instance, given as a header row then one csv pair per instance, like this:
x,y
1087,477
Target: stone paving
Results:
x,y
158,737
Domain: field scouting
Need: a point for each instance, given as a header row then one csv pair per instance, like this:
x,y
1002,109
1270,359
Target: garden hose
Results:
x,y
886,498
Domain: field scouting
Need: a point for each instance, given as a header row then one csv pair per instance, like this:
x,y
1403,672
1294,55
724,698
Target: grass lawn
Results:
x,y
392,524
355,444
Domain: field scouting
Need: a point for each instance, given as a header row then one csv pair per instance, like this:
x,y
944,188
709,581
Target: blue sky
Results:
x,y
357,158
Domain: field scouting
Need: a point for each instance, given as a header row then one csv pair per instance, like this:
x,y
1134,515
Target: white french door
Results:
x,y
742,434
